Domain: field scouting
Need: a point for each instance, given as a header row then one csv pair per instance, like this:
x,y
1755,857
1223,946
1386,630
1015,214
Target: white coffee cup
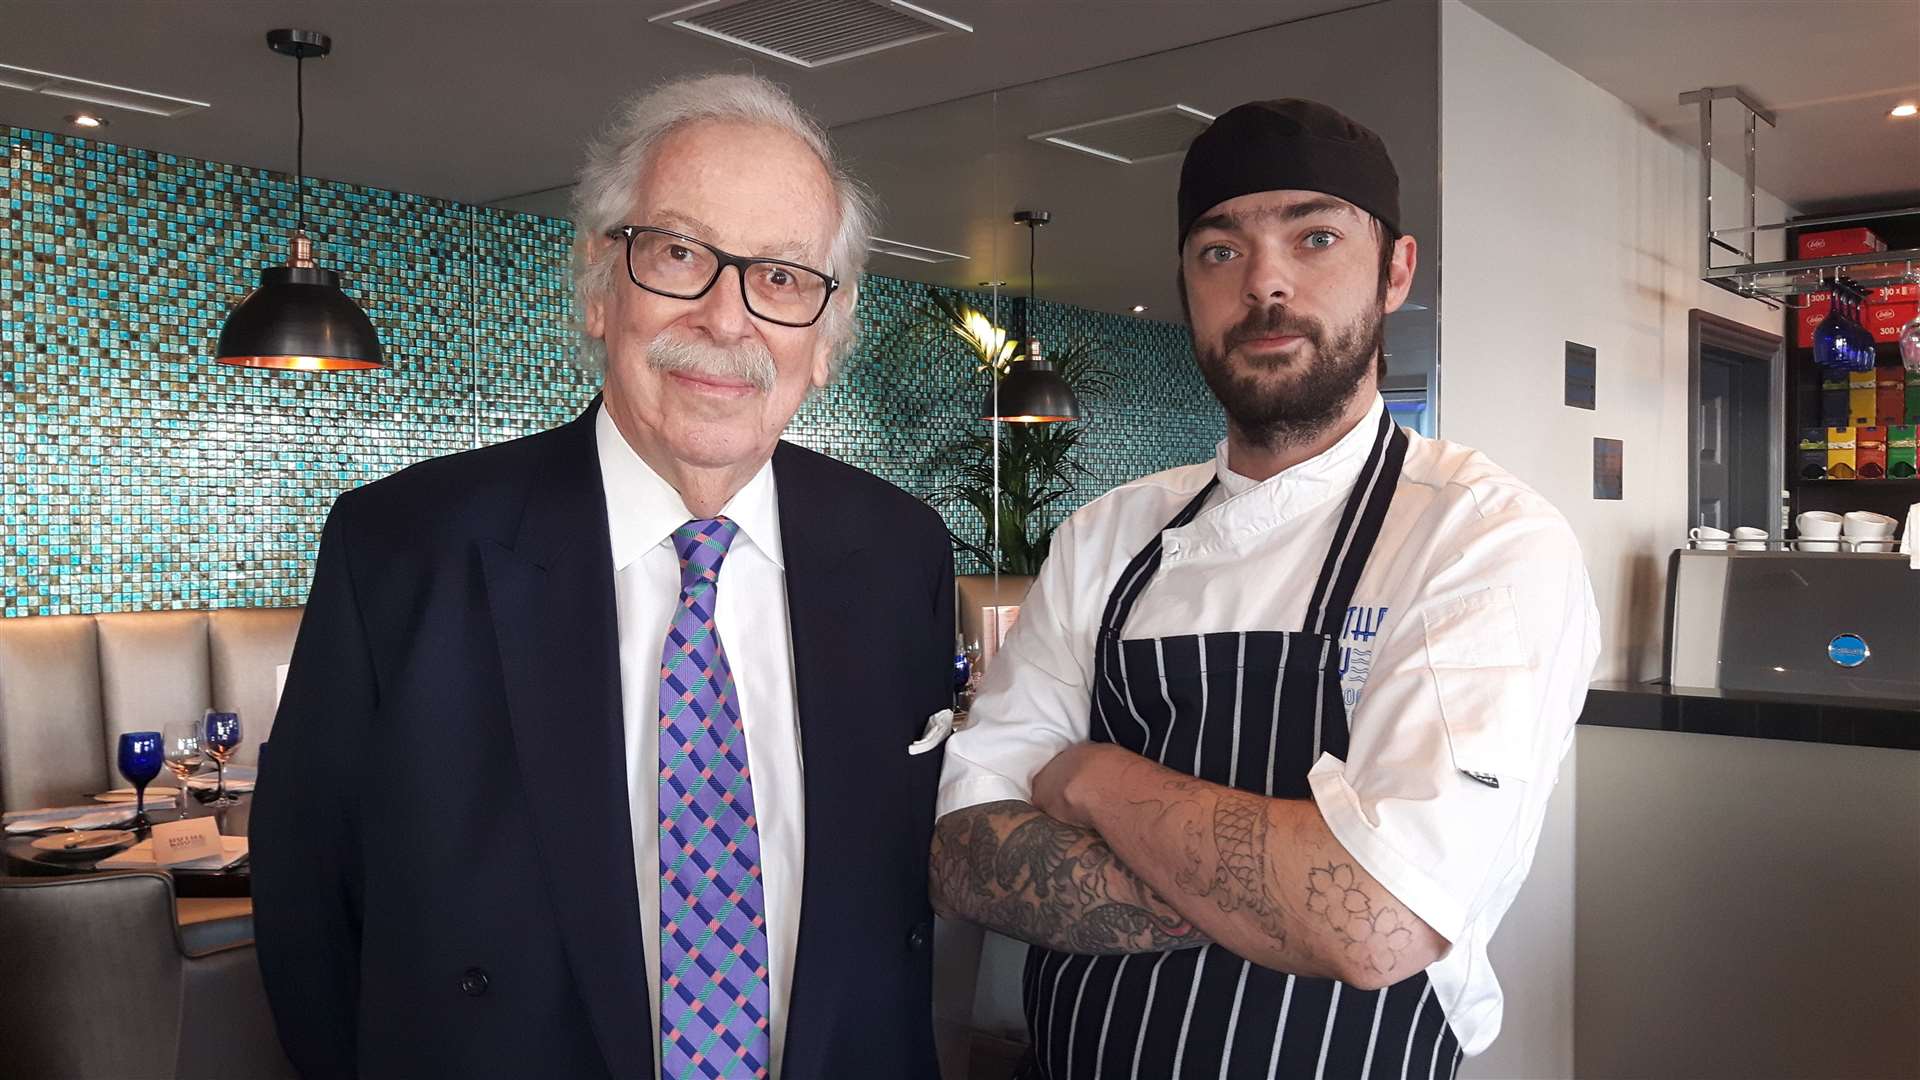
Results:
x,y
1873,545
1748,538
1867,525
1708,538
1817,525
1816,545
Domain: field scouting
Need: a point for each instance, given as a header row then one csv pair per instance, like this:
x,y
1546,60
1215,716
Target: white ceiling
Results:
x,y
950,175
1829,69
481,100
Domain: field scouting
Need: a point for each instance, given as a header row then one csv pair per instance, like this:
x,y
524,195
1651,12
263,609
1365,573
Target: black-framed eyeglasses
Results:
x,y
676,265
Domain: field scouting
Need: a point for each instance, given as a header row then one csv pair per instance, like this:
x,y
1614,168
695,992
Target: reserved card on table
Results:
x,y
184,841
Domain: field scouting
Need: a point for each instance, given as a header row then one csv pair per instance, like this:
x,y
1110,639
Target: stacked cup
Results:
x,y
1708,538
1868,531
1744,538
1818,530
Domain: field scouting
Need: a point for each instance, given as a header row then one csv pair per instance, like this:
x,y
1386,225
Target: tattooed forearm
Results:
x,y
1230,866
1233,864
1375,934
1013,869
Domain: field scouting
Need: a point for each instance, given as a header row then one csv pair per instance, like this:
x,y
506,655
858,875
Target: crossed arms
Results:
x,y
1117,854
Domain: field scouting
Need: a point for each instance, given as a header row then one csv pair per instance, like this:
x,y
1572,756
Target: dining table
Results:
x,y
237,880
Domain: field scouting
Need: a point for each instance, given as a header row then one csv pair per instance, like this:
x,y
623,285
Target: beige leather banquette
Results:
x,y
71,684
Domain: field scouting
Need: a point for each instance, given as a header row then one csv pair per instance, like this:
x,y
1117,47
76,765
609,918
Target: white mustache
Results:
x,y
748,362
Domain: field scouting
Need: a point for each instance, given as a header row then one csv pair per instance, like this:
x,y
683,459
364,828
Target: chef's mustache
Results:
x,y
1274,321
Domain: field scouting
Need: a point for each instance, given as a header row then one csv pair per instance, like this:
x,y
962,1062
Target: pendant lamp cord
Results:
x,y
1026,313
300,140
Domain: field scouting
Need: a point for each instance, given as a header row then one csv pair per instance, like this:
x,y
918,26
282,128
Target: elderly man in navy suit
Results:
x,y
601,753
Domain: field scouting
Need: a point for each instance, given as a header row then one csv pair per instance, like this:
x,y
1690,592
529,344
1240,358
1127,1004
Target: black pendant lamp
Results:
x,y
1031,392
298,319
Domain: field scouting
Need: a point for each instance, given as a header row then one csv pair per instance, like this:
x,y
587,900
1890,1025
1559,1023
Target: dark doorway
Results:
x,y
1734,440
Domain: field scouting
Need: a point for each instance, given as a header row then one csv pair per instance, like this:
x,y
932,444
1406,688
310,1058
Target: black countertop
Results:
x,y
1755,715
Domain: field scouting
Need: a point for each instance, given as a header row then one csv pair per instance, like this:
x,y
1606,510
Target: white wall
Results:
x,y
1567,217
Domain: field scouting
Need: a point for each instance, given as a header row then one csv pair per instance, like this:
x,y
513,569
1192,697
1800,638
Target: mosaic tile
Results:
x,y
140,475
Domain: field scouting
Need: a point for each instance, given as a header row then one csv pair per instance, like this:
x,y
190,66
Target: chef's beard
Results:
x,y
1329,370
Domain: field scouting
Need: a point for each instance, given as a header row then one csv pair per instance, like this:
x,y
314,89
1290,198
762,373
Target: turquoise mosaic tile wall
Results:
x,y
140,475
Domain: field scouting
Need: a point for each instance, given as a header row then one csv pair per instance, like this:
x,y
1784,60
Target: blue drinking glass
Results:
x,y
1862,351
140,758
1831,342
222,735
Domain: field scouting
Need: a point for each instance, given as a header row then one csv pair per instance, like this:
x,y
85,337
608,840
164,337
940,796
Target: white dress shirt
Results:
x,y
1465,658
750,617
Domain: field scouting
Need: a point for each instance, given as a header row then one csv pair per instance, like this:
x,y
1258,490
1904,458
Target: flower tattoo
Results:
x,y
1375,938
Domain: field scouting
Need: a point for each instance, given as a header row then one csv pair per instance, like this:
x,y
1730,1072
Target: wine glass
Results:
x,y
221,731
140,763
180,743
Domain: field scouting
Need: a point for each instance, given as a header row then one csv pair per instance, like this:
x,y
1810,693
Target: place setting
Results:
x,y
117,827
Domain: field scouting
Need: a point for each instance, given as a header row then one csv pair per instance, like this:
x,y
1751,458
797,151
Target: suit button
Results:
x,y
474,982
917,937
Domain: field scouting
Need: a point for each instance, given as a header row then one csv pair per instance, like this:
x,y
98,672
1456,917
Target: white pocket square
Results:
x,y
939,726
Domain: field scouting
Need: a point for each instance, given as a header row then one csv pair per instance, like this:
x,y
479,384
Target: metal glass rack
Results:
x,y
1778,282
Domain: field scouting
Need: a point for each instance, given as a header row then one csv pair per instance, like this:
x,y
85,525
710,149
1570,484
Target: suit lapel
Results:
x,y
822,552
552,601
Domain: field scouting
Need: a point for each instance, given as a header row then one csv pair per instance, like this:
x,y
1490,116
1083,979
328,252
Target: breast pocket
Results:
x,y
1486,685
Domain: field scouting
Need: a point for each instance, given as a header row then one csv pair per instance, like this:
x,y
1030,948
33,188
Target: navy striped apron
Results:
x,y
1253,710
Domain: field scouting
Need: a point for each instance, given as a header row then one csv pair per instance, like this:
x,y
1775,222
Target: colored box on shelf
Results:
x,y
1807,319
1901,462
1813,464
1820,245
1884,321
1863,398
1833,403
1892,395
1840,448
1891,294
1870,453
1813,438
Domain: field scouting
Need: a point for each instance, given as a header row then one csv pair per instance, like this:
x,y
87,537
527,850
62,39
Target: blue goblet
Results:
x,y
140,759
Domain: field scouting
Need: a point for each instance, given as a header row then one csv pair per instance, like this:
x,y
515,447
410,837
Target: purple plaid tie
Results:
x,y
713,945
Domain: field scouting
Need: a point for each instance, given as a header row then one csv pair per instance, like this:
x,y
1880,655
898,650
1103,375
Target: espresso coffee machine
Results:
x,y
1841,624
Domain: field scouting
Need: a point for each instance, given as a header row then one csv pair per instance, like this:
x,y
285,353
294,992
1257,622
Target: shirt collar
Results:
x,y
1252,505
643,509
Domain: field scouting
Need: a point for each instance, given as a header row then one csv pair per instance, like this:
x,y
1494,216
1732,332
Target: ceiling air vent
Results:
x,y
1134,137
812,33
902,250
95,93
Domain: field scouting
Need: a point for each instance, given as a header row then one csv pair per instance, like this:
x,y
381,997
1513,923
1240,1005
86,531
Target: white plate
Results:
x,y
84,845
127,794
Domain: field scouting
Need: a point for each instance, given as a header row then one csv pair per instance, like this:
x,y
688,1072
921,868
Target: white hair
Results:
x,y
604,195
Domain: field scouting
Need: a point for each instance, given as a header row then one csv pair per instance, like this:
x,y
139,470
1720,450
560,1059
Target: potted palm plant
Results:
x,y
1038,463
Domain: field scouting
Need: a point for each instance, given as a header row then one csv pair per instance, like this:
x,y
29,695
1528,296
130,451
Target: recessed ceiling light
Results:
x,y
1905,108
1138,308
86,120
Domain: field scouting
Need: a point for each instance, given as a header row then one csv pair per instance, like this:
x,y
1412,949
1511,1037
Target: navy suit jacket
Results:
x,y
443,874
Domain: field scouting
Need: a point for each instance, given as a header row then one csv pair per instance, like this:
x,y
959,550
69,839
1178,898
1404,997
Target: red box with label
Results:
x,y
1890,395
1820,245
1895,294
1807,319
1884,321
